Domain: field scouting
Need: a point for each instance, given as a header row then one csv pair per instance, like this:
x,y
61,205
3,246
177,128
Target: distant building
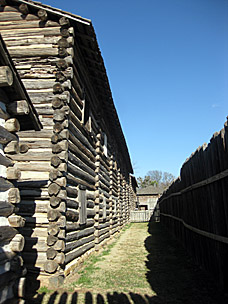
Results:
x,y
147,198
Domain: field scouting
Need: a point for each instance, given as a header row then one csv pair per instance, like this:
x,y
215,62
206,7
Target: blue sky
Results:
x,y
167,63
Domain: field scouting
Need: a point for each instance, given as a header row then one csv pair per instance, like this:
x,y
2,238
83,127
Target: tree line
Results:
x,y
156,178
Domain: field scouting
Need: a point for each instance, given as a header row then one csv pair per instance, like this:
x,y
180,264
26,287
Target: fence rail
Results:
x,y
195,206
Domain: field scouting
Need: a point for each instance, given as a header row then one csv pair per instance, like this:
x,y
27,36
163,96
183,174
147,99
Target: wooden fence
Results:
x,y
140,216
195,207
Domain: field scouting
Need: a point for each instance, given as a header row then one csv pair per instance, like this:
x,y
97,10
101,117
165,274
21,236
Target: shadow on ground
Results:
x,y
173,275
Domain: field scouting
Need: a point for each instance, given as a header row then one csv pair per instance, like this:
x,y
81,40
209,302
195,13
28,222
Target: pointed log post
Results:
x,y
6,76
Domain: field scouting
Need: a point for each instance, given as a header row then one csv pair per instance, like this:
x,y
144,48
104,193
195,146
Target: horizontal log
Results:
x,y
13,173
55,201
5,184
79,173
16,221
50,266
53,229
78,251
53,215
33,206
71,191
6,76
72,236
19,107
77,226
72,215
42,14
82,138
71,180
59,245
7,233
5,161
23,8
51,253
78,243
6,209
6,136
72,204
79,163
12,147
17,243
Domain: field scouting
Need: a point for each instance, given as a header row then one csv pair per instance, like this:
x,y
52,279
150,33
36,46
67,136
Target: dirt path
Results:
x,y
139,268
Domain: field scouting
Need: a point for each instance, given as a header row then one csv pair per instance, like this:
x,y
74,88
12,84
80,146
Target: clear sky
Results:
x,y
167,63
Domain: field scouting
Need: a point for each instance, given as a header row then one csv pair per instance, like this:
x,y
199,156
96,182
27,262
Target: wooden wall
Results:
x,y
74,185
194,208
12,271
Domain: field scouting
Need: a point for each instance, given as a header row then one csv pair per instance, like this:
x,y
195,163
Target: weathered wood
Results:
x,y
16,221
6,209
51,253
63,21
5,185
13,173
59,147
23,148
5,161
23,8
53,229
54,174
7,233
19,107
72,236
6,76
12,147
66,32
76,226
79,243
17,243
71,191
51,240
50,266
72,216
6,136
12,125
59,245
60,258
78,173
53,189
42,14
53,215
71,180
55,201
72,204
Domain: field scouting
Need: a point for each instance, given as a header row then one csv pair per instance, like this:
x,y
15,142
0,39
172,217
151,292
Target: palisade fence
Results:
x,y
195,207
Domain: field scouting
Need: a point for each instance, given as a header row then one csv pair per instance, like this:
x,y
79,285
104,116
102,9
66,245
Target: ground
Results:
x,y
143,265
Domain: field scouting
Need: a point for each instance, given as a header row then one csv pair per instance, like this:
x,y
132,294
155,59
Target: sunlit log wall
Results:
x,y
15,114
195,206
75,185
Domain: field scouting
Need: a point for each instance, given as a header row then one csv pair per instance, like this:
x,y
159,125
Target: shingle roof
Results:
x,y
150,190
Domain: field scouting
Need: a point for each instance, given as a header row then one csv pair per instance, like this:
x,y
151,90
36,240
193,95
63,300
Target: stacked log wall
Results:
x,y
74,195
194,207
12,270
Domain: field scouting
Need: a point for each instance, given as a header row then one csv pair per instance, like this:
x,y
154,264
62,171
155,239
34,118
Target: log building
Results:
x,y
75,185
16,113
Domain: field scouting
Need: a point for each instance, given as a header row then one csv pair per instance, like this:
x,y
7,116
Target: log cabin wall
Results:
x,y
75,171
194,207
12,103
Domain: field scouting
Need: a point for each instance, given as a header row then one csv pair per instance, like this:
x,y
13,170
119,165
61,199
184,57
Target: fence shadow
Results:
x,y
172,273
90,298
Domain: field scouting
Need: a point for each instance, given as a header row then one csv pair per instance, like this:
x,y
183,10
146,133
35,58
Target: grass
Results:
x,y
91,265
